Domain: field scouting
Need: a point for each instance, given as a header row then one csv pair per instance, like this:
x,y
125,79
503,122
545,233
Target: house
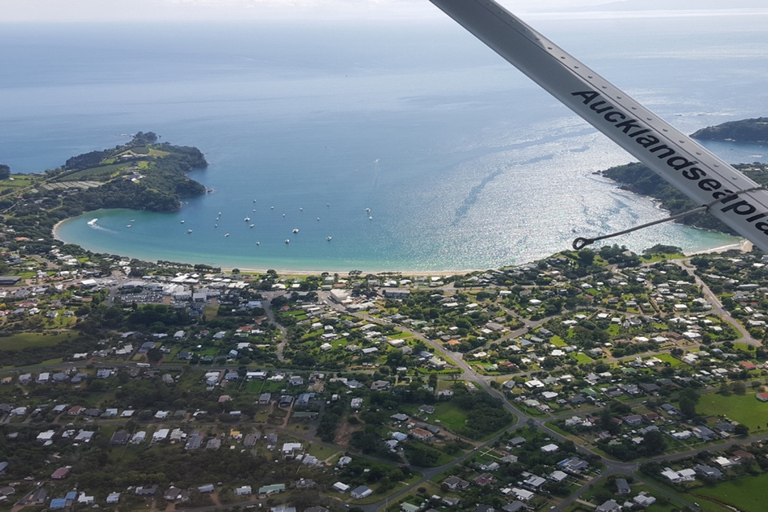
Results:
x,y
361,492
400,417
558,476
533,482
644,500
708,472
609,506
175,494
146,491
340,487
427,409
484,508
684,475
380,385
515,506
113,497
522,494
204,489
421,435
408,507
61,473
268,490
455,483
484,479
289,448
622,487
549,448
57,504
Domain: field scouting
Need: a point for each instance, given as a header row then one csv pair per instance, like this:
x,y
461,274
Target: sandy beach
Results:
x,y
743,246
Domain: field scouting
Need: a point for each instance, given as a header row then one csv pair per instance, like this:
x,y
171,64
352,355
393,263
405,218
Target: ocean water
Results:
x,y
462,161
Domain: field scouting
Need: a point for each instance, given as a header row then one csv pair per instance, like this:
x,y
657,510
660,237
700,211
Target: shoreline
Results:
x,y
744,246
432,273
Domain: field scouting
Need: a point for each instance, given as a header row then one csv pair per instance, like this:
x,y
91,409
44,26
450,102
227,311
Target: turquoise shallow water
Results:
x,y
463,163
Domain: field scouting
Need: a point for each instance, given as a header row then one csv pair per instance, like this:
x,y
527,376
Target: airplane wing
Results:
x,y
685,164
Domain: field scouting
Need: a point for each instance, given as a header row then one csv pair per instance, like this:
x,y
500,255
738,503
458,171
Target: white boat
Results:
x,y
92,222
258,243
226,234
251,225
182,222
296,230
318,219
189,231
367,210
128,226
329,238
287,240
247,219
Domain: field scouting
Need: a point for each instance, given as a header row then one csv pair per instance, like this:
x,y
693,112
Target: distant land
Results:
x,y
638,178
746,130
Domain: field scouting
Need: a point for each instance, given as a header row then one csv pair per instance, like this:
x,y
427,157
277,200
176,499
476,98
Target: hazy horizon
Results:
x,y
70,11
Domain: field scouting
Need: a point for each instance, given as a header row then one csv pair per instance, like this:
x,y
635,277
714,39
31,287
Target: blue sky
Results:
x,y
241,10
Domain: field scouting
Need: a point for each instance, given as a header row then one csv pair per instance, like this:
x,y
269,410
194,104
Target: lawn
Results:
x,y
668,358
581,358
557,341
31,339
748,493
446,414
742,408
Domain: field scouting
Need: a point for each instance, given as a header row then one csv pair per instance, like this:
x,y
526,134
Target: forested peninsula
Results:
x,y
142,174
746,130
638,178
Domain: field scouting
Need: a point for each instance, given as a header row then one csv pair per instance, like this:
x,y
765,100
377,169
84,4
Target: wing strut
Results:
x,y
728,194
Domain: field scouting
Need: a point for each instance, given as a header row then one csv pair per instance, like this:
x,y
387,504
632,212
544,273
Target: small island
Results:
x,y
745,130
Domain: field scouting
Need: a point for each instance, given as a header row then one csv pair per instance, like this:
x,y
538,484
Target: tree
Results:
x,y
154,355
741,430
688,407
653,442
5,172
688,400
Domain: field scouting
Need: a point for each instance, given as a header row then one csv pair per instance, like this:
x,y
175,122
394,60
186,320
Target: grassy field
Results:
x,y
742,408
31,339
749,494
97,173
